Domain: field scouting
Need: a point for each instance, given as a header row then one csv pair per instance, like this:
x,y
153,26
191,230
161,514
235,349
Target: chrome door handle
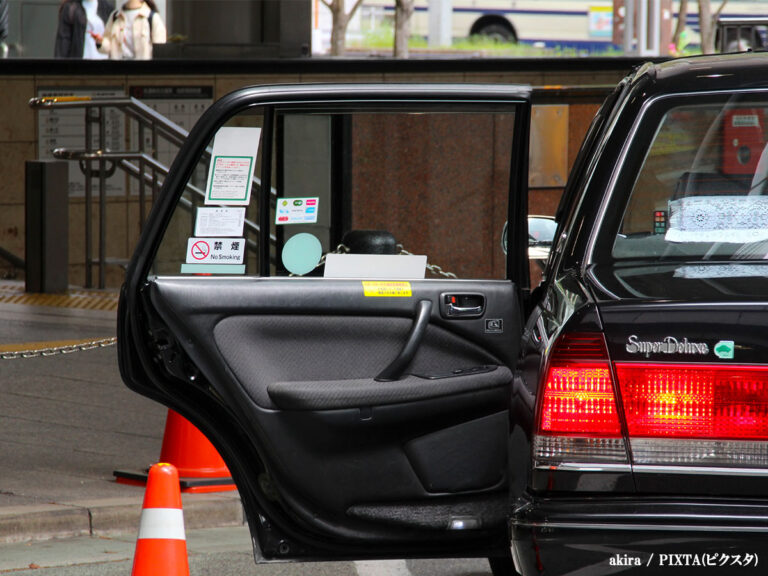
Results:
x,y
454,310
462,305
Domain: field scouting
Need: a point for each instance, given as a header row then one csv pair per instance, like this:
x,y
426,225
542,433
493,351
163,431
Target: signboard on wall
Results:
x,y
65,128
182,105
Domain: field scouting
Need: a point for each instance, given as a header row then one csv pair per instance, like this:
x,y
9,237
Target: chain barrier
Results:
x,y
56,350
340,249
434,268
106,342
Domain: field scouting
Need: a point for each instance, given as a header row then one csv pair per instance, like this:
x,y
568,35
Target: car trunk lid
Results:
x,y
691,377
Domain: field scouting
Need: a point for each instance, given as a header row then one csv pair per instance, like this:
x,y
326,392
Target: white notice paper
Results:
x,y
220,221
400,266
233,164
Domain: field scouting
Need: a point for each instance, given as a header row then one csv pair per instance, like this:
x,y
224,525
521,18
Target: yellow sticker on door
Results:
x,y
387,289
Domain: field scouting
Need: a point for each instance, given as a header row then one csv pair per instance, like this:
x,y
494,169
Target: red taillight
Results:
x,y
579,399
675,414
694,401
578,393
578,417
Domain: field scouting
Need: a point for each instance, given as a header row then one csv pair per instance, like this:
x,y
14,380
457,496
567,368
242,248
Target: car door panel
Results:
x,y
354,423
306,370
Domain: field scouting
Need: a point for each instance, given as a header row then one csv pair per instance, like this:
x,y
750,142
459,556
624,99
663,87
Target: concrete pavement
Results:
x,y
67,421
211,552
229,547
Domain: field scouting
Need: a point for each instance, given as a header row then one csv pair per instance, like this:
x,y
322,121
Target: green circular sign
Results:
x,y
302,253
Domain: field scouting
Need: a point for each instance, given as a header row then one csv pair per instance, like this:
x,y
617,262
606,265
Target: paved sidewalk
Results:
x,y
66,422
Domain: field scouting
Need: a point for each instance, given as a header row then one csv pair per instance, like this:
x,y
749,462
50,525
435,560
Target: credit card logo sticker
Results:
x,y
296,211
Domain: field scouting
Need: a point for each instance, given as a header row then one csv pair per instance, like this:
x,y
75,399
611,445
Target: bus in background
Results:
x,y
555,23
584,26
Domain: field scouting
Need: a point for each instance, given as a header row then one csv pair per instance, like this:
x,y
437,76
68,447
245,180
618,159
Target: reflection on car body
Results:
x,y
614,416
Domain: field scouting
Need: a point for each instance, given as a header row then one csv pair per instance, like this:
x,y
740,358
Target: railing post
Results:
x,y
88,203
155,154
102,202
142,167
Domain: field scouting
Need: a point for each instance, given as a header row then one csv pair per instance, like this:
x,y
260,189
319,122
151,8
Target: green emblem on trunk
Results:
x,y
724,349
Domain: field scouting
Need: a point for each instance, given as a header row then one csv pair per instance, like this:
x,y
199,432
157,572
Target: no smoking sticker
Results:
x,y
215,250
200,251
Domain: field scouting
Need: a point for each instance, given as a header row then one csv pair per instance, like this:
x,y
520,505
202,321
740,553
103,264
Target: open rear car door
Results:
x,y
358,394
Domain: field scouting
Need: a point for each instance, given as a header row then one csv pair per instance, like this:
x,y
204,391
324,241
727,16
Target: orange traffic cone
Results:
x,y
199,464
161,547
200,467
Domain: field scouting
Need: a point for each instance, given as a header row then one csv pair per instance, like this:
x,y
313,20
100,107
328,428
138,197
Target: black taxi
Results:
x,y
335,287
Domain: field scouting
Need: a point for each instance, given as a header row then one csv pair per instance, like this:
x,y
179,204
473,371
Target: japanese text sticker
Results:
x,y
232,167
219,221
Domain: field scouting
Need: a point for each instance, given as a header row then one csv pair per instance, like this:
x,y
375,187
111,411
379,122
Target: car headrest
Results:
x,y
370,242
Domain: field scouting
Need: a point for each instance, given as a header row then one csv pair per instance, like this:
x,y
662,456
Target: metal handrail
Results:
x,y
139,164
123,160
132,107
128,104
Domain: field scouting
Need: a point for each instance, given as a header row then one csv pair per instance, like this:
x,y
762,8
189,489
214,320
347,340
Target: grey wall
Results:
x,y
32,27
240,28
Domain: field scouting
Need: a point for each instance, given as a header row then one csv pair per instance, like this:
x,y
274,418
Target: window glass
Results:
x,y
700,193
429,185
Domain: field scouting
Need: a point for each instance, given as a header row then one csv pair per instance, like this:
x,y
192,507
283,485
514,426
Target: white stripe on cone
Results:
x,y
162,523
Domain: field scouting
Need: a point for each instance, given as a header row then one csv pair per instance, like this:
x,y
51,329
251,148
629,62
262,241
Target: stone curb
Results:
x,y
109,517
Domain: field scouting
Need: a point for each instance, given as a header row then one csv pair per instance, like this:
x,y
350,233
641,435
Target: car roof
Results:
x,y
373,91
705,73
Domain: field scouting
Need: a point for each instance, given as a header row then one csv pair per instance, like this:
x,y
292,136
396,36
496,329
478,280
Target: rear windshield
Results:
x,y
699,193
